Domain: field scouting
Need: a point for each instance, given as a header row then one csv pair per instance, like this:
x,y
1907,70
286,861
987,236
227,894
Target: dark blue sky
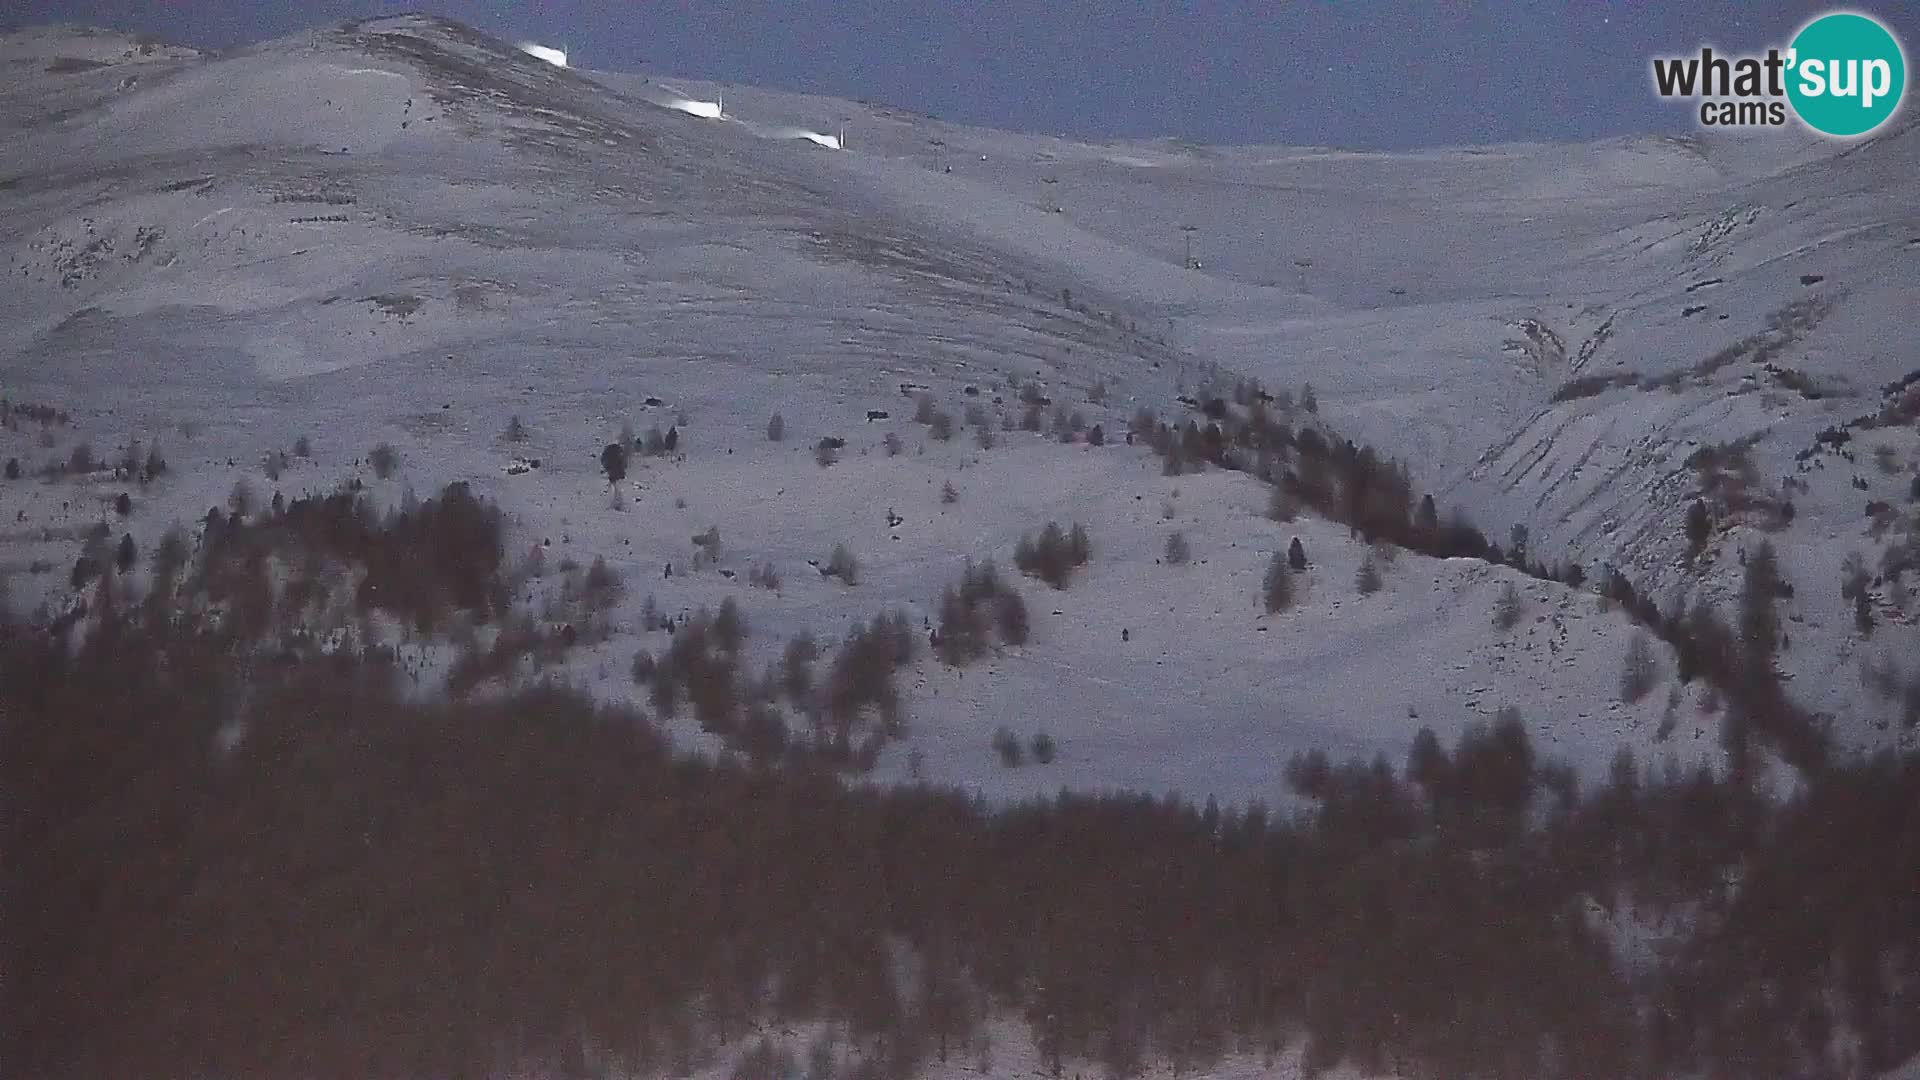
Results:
x,y
1374,74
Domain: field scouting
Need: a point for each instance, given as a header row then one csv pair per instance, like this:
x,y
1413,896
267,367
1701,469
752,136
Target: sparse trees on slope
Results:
x,y
1054,555
981,605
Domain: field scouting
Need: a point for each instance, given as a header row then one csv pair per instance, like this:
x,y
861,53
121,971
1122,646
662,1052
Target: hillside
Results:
x,y
400,255
402,231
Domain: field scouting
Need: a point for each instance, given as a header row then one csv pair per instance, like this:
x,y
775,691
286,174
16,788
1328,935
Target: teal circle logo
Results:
x,y
1846,74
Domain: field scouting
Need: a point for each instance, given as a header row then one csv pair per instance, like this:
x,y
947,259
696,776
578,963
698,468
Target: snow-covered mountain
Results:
x,y
402,231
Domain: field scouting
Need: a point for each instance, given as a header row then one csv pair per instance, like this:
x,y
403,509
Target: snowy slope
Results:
x,y
403,231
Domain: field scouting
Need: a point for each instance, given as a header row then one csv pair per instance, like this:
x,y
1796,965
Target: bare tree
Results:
x,y
1177,551
841,564
1640,671
1506,607
384,459
1277,589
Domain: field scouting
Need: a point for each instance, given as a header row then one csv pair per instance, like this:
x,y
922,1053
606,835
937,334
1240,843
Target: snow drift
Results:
x,y
556,57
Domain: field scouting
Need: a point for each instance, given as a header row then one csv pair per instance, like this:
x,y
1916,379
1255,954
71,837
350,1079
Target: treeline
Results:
x,y
297,869
419,562
1374,496
1337,478
1738,661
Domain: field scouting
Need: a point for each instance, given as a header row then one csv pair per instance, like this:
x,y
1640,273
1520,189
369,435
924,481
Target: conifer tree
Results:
x,y
1277,590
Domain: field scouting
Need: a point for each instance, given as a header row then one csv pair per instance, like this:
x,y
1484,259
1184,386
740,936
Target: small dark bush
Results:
x,y
841,564
1044,748
1006,744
